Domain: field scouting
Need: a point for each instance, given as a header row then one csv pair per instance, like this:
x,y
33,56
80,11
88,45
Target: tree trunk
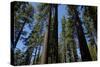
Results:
x,y
52,57
85,54
19,34
44,48
48,36
56,33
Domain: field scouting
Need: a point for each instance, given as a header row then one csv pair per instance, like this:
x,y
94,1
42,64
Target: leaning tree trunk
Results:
x,y
19,34
14,44
85,54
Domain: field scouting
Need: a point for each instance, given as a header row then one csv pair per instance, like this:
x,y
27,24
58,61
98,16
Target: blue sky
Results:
x,y
61,13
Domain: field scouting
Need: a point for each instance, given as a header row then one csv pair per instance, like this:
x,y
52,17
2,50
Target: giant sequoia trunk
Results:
x,y
85,54
56,33
44,57
44,48
52,41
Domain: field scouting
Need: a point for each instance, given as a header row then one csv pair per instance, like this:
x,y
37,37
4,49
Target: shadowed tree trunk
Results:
x,y
56,33
85,54
48,36
52,48
19,34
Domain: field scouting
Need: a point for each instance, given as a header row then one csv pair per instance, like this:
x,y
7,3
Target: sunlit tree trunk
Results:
x,y
44,48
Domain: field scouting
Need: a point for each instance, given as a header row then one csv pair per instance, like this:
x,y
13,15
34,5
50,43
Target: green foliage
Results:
x,y
68,40
23,14
93,52
19,57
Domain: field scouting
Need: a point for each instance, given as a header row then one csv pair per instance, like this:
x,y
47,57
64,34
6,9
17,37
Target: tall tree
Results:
x,y
52,47
56,33
52,34
21,17
70,52
45,14
85,54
